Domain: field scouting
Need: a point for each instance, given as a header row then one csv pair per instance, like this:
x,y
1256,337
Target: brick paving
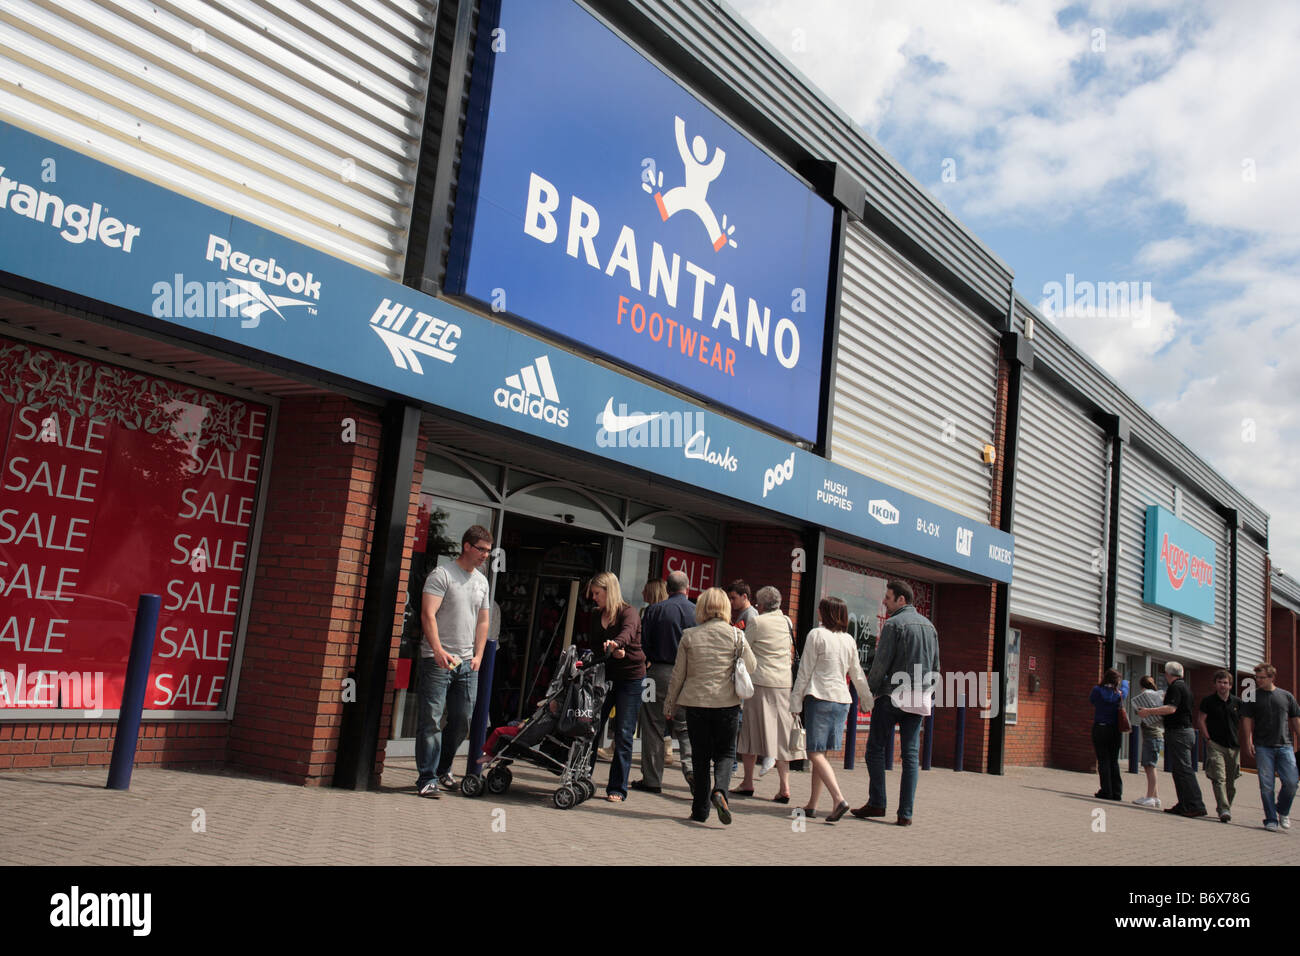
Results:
x,y
1030,816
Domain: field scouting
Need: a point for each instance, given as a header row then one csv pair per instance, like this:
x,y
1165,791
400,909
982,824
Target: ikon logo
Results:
x,y
964,538
780,474
882,511
532,392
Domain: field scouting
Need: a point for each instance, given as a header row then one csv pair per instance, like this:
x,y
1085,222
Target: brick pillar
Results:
x,y
763,555
1281,648
1029,739
306,601
964,618
1077,669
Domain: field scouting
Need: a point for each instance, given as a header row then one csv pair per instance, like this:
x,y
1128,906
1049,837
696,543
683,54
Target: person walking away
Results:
x,y
455,613
620,650
1153,739
769,724
1106,699
1180,738
703,684
908,645
662,625
1270,730
1218,718
830,657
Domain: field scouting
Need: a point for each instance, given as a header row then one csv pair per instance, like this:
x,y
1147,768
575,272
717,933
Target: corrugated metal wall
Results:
x,y
1060,513
1209,642
1251,606
915,381
301,117
1141,484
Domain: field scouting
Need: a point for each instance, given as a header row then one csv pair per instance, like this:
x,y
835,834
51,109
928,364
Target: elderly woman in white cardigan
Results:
x,y
768,721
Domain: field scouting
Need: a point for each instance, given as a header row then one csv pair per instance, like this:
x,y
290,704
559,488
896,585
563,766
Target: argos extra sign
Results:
x,y
1181,566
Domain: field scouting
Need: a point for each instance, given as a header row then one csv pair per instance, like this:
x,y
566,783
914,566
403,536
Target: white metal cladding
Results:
x,y
301,117
1141,484
1251,606
1060,513
1196,639
915,381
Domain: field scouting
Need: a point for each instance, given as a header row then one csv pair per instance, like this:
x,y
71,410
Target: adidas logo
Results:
x,y
532,392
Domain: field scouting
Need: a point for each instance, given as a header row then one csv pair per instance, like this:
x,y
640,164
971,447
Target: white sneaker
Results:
x,y
768,764
1286,821
430,789
1143,801
1270,826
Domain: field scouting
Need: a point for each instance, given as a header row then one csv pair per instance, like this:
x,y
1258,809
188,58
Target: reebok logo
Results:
x,y
532,392
253,300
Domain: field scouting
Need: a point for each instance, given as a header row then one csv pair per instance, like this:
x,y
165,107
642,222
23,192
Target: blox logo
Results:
x,y
533,393
964,538
882,511
778,475
252,300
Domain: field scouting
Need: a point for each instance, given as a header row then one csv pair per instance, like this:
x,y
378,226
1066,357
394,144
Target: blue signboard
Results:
x,y
73,223
600,200
1180,566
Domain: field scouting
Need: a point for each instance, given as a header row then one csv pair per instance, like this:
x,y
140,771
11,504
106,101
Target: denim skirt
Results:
x,y
823,721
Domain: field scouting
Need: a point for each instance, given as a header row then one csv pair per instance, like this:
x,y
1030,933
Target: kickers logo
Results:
x,y
533,393
782,473
252,300
426,335
691,196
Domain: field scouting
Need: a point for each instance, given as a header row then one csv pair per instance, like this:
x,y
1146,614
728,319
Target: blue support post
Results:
x,y
1134,747
927,751
137,682
478,723
851,731
959,746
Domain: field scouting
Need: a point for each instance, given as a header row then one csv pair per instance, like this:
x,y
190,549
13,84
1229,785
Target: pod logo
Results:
x,y
533,393
778,475
691,195
1181,564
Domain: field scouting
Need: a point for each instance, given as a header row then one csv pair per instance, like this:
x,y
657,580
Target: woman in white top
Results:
x,y
830,656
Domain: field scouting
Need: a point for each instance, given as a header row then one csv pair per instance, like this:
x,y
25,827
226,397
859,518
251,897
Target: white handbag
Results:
x,y
740,675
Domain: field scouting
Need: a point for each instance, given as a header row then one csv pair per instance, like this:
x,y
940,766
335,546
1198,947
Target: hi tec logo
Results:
x,y
75,908
532,392
964,538
252,300
690,196
429,336
882,511
782,473
1180,565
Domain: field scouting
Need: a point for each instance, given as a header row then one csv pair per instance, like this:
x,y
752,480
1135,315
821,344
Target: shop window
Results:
x,y
557,502
118,483
863,591
673,529
472,480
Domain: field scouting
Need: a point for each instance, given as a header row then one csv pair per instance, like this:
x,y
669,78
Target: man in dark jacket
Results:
x,y
908,646
661,631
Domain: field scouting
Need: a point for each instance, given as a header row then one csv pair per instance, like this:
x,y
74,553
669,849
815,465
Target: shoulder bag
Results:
x,y
740,673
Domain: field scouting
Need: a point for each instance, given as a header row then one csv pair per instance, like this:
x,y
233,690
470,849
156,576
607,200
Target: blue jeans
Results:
x,y
624,698
884,715
455,692
1270,763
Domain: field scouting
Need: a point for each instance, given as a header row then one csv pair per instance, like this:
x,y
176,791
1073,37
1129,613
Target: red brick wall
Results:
x,y
1076,669
1281,648
90,743
964,616
761,556
1029,740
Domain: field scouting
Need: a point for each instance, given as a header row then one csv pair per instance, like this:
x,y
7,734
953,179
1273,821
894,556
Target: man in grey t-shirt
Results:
x,y
455,613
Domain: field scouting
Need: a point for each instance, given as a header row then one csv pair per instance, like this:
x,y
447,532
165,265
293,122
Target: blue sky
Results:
x,y
1150,142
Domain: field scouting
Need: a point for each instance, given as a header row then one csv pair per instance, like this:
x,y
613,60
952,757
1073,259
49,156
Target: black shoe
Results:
x,y
694,819
742,793
1176,808
719,801
780,799
840,809
1195,813
645,787
867,810
809,814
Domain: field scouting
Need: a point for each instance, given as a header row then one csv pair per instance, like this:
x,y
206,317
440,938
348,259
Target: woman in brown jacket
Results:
x,y
703,683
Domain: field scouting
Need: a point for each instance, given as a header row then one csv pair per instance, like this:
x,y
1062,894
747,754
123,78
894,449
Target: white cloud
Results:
x,y
1162,253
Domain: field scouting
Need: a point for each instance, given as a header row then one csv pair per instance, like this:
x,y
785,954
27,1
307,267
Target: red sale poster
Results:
x,y
115,483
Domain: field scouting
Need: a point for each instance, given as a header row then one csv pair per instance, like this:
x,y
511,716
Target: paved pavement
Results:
x,y
1030,816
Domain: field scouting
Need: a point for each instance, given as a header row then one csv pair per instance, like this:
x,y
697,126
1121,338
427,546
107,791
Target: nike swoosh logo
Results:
x,y
620,423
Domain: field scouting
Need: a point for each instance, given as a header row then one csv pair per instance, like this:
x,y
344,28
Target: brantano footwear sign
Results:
x,y
602,201
1180,563
375,334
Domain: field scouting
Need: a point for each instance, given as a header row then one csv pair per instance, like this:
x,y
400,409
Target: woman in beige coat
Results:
x,y
768,721
702,683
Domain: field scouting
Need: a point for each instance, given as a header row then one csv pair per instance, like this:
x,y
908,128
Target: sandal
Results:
x,y
781,799
614,797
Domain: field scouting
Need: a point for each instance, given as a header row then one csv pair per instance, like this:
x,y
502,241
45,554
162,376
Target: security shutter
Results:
x,y
1060,513
1141,484
1251,608
915,381
1196,639
301,117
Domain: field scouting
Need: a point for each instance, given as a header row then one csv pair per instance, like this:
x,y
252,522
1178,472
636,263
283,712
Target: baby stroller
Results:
x,y
559,737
